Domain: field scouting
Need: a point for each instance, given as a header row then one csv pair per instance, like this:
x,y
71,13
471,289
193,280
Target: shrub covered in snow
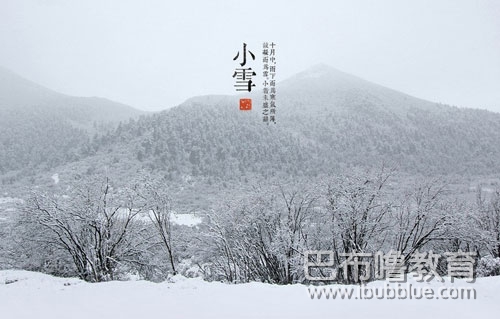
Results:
x,y
488,266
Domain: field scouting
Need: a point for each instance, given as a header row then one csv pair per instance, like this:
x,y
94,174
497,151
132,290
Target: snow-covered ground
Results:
x,y
55,178
10,200
189,220
33,295
183,219
8,207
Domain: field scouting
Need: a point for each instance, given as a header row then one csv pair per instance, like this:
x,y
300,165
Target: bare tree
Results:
x,y
94,225
159,209
263,237
488,220
358,207
420,218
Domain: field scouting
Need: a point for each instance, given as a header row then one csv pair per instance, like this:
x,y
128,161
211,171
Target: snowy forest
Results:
x,y
99,230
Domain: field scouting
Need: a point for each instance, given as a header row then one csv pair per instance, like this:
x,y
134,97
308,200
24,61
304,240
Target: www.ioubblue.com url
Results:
x,y
387,291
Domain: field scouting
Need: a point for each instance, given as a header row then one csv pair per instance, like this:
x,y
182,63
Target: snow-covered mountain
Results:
x,y
327,121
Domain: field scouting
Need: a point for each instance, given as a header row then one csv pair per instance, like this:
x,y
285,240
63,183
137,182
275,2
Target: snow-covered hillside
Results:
x,y
32,295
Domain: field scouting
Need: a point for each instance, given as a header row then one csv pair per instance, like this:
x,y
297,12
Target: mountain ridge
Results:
x,y
322,127
41,128
19,92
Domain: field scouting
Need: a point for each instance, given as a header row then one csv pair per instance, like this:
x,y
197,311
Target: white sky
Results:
x,y
156,54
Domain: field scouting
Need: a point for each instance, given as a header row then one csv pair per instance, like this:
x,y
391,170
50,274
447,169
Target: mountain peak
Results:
x,y
323,85
321,68
320,74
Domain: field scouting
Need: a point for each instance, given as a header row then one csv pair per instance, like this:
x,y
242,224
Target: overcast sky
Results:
x,y
156,54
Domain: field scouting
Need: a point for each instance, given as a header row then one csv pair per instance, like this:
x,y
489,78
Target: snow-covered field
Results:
x,y
189,220
32,295
182,219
